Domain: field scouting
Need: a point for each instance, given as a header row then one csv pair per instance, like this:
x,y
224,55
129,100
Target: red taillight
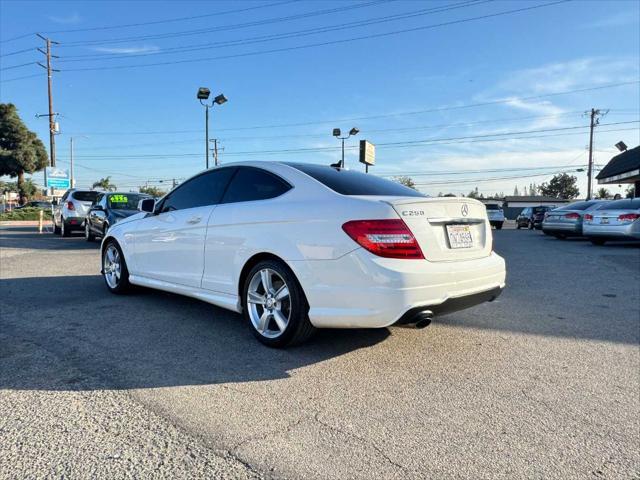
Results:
x,y
628,217
572,216
385,238
588,216
70,206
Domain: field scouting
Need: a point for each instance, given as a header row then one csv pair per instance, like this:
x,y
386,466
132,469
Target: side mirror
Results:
x,y
97,207
147,205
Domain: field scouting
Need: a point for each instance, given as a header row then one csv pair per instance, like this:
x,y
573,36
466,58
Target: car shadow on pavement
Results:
x,y
28,237
146,339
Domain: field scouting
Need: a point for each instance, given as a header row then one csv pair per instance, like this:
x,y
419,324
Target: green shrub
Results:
x,y
27,213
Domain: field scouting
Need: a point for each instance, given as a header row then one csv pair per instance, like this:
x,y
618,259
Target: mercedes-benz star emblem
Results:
x,y
464,210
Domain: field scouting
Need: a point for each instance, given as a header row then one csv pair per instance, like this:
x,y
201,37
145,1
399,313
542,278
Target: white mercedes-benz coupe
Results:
x,y
295,247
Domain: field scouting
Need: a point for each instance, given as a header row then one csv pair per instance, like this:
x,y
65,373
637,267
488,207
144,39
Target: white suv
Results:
x,y
71,211
495,214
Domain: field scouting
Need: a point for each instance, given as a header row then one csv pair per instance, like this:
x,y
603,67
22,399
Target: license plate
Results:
x,y
460,236
604,220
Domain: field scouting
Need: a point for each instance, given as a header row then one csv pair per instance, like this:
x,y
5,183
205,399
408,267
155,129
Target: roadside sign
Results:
x,y
57,179
367,153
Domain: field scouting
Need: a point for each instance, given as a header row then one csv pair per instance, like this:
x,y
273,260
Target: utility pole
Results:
x,y
215,152
71,161
594,114
50,70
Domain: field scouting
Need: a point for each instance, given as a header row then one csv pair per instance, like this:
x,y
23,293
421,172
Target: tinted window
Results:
x,y
348,182
540,209
205,189
84,196
626,204
577,206
492,206
254,184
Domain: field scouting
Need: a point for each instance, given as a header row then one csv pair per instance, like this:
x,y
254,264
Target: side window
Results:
x,y
254,184
205,189
64,197
103,201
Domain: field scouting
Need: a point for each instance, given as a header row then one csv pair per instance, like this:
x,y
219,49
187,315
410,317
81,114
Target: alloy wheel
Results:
x,y
268,303
112,266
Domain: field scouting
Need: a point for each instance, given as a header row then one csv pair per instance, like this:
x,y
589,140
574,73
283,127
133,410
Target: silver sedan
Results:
x,y
619,220
566,221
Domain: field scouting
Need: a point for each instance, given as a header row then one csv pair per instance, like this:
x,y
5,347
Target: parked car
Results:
x,y
109,208
532,217
566,221
618,220
495,214
295,247
71,210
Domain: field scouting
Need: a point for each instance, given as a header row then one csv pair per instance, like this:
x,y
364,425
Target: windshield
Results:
x,y
89,196
492,206
348,182
540,209
124,201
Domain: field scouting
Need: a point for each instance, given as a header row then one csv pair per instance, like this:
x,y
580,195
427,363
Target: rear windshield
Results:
x,y
348,182
492,206
84,196
625,204
124,201
540,209
578,206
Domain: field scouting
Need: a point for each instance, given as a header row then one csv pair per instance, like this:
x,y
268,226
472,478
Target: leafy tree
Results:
x,y
21,151
8,187
105,184
603,193
406,181
448,195
474,193
153,191
562,185
515,192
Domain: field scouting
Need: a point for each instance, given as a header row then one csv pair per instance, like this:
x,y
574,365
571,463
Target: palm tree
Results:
x,y
105,184
603,193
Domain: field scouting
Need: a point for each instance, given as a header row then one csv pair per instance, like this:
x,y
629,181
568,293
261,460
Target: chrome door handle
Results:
x,y
194,220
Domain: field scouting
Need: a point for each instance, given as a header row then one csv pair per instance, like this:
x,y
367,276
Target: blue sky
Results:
x,y
145,124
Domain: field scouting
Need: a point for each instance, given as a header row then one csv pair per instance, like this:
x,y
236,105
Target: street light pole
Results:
x,y
336,133
206,134
71,161
203,94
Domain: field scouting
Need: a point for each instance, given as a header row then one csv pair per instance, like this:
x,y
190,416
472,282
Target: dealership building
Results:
x,y
623,168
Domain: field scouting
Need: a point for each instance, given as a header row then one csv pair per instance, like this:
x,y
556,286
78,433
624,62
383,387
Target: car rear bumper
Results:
x,y
361,290
74,222
630,231
566,228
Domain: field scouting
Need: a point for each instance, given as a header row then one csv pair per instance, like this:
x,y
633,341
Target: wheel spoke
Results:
x,y
110,255
254,297
264,322
283,292
280,319
265,275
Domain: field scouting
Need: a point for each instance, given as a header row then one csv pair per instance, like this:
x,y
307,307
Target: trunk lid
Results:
x,y
442,227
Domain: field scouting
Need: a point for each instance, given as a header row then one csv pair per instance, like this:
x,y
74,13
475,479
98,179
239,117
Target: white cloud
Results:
x,y
71,19
128,50
618,19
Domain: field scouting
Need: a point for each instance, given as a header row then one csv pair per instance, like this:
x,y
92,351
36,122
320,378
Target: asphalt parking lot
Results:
x,y
542,383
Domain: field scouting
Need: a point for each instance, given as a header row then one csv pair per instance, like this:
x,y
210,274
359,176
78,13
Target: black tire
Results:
x,y
299,328
498,226
64,231
90,237
598,241
560,236
123,285
56,228
518,225
530,225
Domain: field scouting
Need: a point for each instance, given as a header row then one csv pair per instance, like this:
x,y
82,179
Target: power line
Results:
x,y
32,49
424,142
173,20
255,23
493,179
279,36
319,44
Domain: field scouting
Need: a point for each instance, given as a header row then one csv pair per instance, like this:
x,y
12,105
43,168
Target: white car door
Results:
x,y
245,210
169,244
